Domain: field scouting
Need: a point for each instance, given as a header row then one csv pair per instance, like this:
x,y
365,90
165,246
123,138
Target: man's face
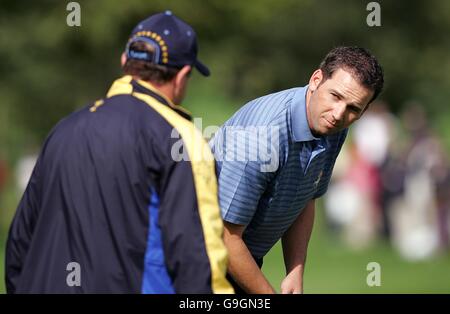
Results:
x,y
336,103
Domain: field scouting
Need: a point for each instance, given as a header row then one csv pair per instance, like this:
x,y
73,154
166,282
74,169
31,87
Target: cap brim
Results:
x,y
203,69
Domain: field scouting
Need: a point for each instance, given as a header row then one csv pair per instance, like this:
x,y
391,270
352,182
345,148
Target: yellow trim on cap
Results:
x,y
162,44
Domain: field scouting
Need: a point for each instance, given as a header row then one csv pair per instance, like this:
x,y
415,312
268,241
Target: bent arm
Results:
x,y
242,267
295,245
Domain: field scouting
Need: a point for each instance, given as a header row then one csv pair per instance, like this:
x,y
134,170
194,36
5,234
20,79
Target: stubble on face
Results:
x,y
335,103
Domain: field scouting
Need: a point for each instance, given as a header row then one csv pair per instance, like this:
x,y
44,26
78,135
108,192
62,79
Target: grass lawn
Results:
x,y
334,268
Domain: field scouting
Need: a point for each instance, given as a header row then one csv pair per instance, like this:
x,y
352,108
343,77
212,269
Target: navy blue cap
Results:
x,y
175,42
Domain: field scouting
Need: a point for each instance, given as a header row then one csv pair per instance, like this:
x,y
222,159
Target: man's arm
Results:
x,y
295,245
241,265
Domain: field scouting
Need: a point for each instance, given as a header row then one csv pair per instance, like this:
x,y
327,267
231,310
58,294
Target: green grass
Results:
x,y
334,268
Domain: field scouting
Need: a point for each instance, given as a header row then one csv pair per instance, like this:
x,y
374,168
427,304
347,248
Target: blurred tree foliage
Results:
x,y
253,47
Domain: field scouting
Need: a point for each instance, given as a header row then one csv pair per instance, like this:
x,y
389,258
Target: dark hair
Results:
x,y
146,70
359,62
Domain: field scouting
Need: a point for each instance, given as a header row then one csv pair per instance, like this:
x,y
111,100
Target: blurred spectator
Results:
x,y
442,176
386,184
376,138
419,226
392,173
354,200
373,133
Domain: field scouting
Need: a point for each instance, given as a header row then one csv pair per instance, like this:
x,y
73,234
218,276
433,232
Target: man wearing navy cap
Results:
x,y
109,208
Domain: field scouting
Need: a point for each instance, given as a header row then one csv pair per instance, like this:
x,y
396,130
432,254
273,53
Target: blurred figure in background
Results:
x,y
442,177
419,218
353,203
386,185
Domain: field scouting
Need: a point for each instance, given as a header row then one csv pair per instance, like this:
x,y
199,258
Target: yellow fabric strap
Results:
x,y
123,86
202,163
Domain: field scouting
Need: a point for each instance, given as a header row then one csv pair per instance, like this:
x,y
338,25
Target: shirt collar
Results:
x,y
299,121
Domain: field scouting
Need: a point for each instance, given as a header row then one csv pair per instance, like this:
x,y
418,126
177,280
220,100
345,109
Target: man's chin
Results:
x,y
326,131
319,133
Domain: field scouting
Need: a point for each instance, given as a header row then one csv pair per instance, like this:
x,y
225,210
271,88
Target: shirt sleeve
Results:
x,y
244,174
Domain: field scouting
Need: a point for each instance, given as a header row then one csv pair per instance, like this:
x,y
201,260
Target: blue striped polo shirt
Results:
x,y
270,165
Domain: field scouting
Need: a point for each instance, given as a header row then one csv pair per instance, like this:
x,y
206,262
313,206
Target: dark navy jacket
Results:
x,y
107,194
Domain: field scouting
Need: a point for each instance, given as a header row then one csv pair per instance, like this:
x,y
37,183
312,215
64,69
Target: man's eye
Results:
x,y
354,109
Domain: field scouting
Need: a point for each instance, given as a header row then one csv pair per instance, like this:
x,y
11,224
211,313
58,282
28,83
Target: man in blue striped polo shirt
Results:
x,y
275,157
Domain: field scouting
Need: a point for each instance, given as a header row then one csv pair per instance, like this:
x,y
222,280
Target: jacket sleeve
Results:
x,y
21,231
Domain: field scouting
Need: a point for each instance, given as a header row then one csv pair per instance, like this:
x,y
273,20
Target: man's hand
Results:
x,y
293,283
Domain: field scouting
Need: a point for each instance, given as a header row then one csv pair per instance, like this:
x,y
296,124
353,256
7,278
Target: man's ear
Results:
x,y
123,59
182,76
315,80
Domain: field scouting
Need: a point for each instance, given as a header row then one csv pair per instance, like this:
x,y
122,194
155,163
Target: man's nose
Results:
x,y
338,111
